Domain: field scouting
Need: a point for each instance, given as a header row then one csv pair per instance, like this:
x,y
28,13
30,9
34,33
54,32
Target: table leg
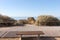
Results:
x,y
20,37
38,37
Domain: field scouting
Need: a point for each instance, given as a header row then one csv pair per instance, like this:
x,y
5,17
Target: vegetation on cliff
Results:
x,y
21,22
43,20
6,21
47,20
31,20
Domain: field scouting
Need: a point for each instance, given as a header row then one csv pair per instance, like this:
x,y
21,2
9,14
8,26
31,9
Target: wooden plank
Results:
x,y
29,33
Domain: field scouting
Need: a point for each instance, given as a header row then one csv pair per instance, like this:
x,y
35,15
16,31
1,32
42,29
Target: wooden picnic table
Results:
x,y
30,33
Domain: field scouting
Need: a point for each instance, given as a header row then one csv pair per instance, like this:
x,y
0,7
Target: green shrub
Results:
x,y
47,20
31,20
6,21
21,22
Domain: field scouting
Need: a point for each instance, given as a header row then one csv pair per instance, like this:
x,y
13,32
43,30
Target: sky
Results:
x,y
26,8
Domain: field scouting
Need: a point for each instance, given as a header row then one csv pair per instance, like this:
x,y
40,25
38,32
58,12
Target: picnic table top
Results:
x,y
30,33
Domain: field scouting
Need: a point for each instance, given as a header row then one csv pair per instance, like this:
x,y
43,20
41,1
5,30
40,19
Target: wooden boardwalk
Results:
x,y
48,31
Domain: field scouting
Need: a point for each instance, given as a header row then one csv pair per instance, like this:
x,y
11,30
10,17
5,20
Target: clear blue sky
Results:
x,y
22,8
